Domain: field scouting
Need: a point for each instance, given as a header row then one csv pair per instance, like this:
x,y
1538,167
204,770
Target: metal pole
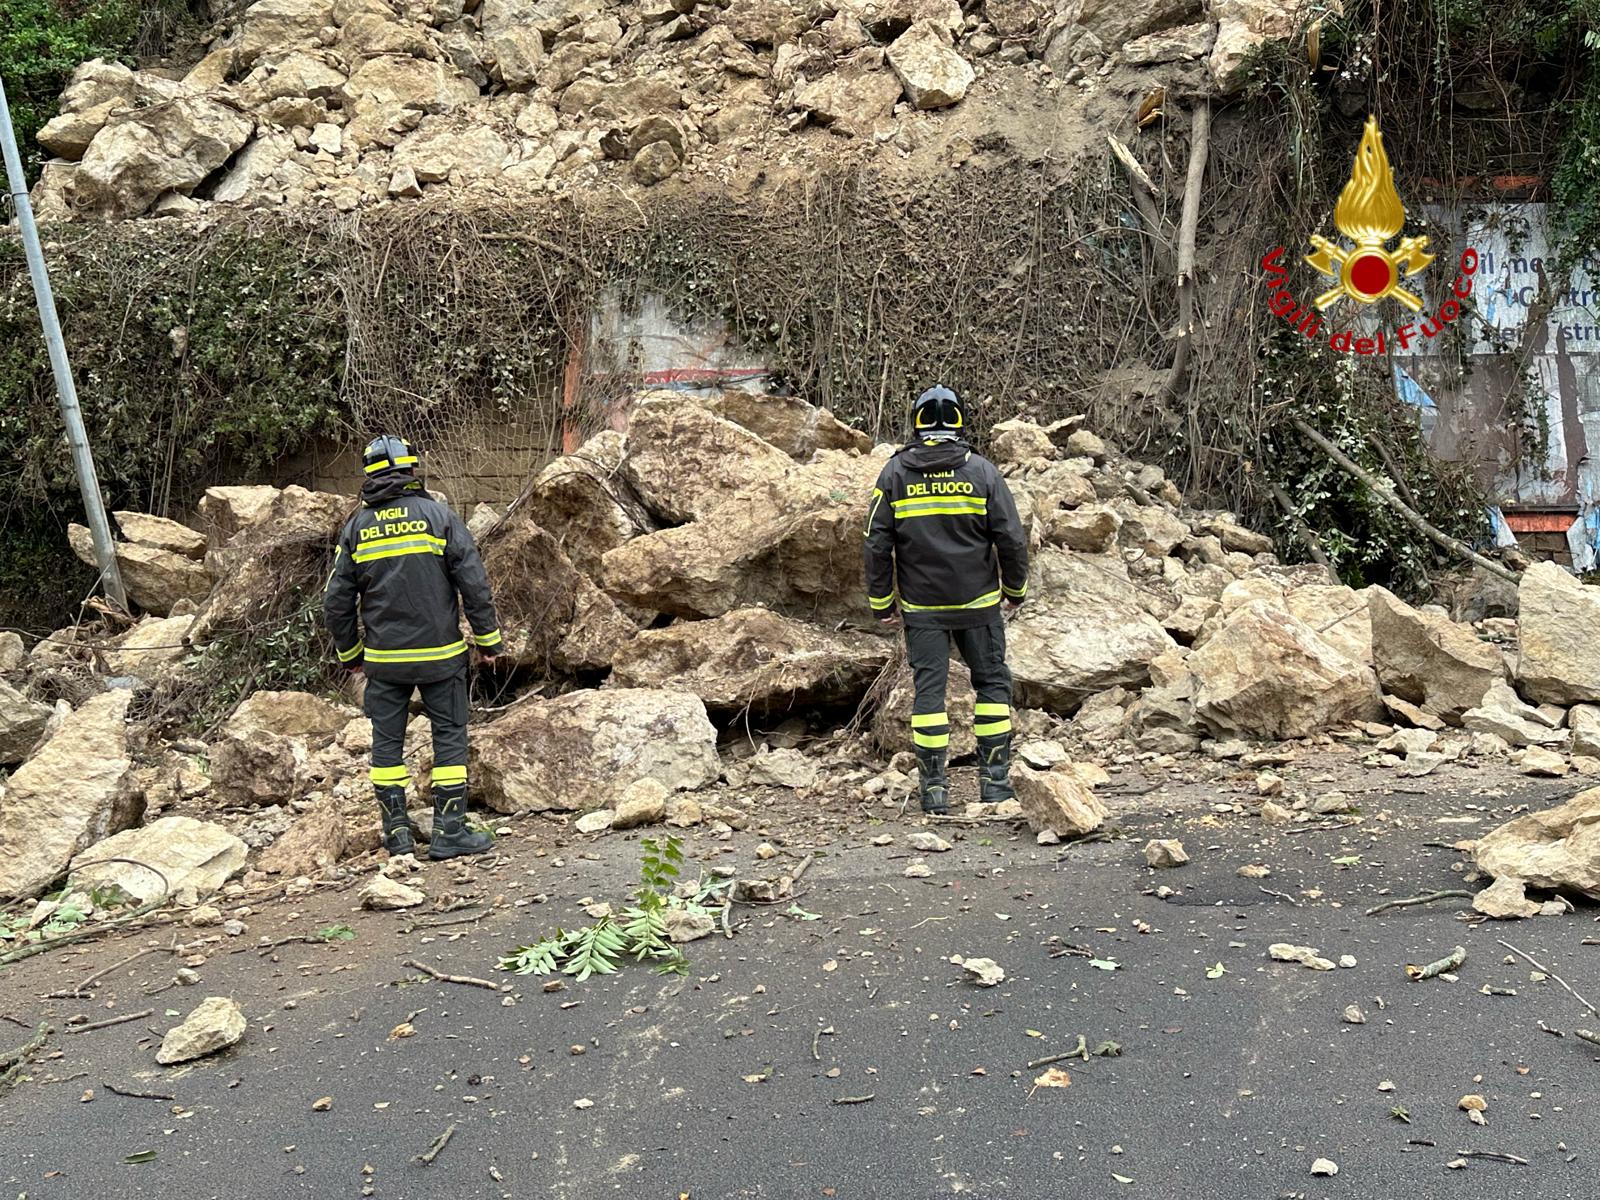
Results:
x,y
82,459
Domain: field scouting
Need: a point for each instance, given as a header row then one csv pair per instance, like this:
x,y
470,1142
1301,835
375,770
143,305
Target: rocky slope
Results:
x,y
351,103
699,575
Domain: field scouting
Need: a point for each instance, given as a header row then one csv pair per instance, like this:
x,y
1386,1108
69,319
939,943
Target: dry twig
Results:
x,y
468,980
1538,966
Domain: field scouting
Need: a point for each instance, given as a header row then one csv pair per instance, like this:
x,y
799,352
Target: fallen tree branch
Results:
x,y
1494,1155
79,992
1449,962
1539,966
1587,1035
1413,901
1304,532
468,980
14,1062
1407,513
1144,193
439,1143
110,1021
133,1094
1199,148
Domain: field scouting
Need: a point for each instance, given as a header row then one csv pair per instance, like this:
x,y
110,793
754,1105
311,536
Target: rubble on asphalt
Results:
x,y
677,650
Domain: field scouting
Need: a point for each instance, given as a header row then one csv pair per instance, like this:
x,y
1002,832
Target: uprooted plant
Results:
x,y
639,932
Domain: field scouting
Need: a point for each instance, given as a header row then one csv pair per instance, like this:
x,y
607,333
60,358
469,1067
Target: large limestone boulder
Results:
x,y
791,543
1267,674
173,146
683,460
13,653
787,422
279,25
1558,848
1558,630
156,579
1071,646
584,499
98,88
548,17
754,658
385,94
582,750
441,150
75,791
164,858
1429,660
151,648
891,721
261,751
933,74
1337,613
1057,801
273,512
161,534
316,841
552,618
22,723
1503,713
852,100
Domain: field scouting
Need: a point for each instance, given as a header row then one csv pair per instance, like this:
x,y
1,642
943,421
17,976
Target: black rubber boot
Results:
x,y
935,788
397,838
451,837
994,769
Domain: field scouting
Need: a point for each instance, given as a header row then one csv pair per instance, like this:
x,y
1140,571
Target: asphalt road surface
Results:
x,y
845,1056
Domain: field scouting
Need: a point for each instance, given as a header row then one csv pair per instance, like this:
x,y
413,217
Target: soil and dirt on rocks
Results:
x,y
1222,763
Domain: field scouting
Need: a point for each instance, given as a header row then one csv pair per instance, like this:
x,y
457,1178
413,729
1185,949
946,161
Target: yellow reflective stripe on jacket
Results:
x,y
492,638
983,601
960,503
352,653
872,510
1015,593
949,507
365,549
881,602
420,654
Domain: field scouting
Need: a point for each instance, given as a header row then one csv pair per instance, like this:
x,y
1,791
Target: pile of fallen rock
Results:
x,y
702,573
358,102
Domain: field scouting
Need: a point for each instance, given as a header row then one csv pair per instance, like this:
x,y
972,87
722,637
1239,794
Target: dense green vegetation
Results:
x,y
42,41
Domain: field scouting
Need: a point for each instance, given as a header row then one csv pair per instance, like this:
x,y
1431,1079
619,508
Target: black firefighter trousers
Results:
x,y
444,701
983,649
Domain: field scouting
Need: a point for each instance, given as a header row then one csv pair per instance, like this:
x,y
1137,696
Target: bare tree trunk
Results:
x,y
1408,514
1199,148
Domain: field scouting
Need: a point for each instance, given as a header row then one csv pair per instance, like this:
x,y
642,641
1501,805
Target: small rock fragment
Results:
x,y
1324,1166
384,894
1305,955
984,972
1354,1016
1165,852
918,870
925,841
215,1025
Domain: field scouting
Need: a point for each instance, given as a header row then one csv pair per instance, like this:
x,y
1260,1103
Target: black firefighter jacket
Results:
x,y
944,541
399,566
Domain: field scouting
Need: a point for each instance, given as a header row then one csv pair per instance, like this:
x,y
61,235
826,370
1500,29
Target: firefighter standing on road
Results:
x,y
400,565
945,546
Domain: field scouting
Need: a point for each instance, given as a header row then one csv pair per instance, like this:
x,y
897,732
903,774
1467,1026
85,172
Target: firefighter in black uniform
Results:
x,y
946,548
401,563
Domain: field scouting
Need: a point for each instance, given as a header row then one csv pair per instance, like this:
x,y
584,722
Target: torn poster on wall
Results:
x,y
1533,434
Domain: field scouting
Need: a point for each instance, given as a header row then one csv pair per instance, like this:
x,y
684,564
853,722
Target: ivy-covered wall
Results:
x,y
197,361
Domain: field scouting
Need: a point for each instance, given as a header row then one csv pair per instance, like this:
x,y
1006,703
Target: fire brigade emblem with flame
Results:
x,y
1369,213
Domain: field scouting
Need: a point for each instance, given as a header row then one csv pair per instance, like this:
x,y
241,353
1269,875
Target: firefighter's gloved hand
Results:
x,y
485,658
892,620
1010,606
